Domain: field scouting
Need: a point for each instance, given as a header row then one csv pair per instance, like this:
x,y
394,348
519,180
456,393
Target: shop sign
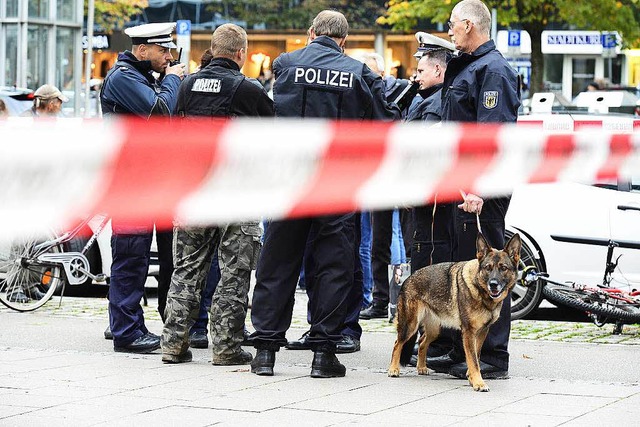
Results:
x,y
100,41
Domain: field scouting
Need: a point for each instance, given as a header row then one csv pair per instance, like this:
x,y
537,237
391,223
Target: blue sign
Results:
x,y
183,27
609,40
514,38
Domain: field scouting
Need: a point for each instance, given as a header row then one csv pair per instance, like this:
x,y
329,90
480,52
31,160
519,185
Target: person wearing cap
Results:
x,y
479,86
433,234
130,88
433,54
47,102
219,89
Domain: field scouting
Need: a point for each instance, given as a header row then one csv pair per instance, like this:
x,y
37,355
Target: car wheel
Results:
x,y
525,299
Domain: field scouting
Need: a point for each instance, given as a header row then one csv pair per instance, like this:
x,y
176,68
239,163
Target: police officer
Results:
x,y
217,90
479,86
433,228
316,81
433,54
131,88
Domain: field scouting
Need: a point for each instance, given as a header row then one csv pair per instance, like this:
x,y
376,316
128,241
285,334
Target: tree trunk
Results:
x,y
537,60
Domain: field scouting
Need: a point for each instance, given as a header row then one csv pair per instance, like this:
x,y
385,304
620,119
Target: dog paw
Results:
x,y
423,371
480,387
394,372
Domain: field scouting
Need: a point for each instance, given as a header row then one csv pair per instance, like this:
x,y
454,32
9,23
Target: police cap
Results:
x,y
157,33
428,42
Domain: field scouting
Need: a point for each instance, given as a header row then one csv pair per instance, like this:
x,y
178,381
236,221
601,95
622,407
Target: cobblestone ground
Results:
x,y
534,330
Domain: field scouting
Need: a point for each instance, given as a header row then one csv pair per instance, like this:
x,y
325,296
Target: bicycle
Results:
x,y
602,303
33,268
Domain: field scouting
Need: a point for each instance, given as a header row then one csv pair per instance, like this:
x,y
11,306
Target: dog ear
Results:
x,y
482,247
513,247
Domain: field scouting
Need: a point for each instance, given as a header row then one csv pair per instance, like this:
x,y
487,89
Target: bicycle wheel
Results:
x,y
600,305
26,286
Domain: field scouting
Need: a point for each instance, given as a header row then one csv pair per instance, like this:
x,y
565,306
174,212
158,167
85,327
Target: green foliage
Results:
x,y
112,14
298,14
603,15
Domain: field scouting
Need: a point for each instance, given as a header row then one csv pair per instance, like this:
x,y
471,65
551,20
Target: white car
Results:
x,y
565,228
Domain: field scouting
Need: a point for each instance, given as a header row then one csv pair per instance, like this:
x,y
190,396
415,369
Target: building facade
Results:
x,y
41,42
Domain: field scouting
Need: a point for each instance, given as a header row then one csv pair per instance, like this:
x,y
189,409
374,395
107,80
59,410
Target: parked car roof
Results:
x,y
17,100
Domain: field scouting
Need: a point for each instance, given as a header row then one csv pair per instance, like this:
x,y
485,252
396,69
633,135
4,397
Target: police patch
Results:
x,y
490,99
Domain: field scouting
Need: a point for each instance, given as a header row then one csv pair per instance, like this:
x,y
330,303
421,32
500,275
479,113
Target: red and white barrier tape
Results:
x,y
203,171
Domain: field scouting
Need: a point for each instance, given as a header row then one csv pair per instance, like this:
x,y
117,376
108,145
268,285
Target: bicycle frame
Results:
x,y
75,264
602,303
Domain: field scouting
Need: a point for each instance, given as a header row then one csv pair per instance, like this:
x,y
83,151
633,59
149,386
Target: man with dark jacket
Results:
x,y
479,86
316,81
217,90
131,88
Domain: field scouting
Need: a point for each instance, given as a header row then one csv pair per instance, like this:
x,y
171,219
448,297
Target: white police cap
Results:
x,y
428,42
158,33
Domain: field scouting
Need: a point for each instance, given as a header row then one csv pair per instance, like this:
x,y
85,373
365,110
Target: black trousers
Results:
x,y
495,347
351,325
164,240
332,250
381,226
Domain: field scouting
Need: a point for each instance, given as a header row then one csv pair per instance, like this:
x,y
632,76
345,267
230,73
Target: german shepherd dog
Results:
x,y
464,295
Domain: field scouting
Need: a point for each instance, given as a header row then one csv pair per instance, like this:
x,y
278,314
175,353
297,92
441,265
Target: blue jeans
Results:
x,y
365,258
398,255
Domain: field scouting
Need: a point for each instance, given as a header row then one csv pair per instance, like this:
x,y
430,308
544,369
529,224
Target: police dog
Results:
x,y
464,295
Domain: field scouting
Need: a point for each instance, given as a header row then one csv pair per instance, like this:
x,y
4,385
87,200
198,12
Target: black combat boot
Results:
x,y
263,363
326,365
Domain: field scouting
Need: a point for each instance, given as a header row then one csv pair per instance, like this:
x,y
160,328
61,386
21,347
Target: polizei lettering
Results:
x,y
322,77
207,85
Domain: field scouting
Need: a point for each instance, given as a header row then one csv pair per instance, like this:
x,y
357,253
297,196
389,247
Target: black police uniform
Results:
x,y
428,109
316,81
482,87
130,88
221,90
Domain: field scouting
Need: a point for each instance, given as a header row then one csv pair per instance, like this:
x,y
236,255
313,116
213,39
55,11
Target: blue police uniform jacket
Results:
x,y
321,81
131,88
428,107
480,87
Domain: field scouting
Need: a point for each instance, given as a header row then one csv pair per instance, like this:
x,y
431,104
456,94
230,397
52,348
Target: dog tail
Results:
x,y
407,350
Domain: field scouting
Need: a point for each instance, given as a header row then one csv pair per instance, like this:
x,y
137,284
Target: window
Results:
x,y
37,41
66,10
38,8
553,72
12,8
64,57
11,55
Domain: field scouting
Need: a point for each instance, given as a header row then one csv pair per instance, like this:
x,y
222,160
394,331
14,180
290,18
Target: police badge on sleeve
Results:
x,y
490,99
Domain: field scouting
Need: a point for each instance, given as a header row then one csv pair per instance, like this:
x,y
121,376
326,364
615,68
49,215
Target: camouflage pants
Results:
x,y
238,246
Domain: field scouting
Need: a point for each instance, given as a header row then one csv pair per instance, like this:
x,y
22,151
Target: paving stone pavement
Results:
x,y
56,369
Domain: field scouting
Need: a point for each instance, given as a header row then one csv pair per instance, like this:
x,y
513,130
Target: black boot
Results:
x,y
263,363
326,365
374,312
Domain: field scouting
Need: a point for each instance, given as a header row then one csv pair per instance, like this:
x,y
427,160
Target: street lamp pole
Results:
x,y
89,57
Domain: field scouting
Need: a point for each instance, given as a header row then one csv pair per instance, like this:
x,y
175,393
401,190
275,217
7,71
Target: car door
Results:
x,y
625,227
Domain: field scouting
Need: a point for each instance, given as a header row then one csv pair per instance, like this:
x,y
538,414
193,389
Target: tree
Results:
x,y
112,14
298,14
533,16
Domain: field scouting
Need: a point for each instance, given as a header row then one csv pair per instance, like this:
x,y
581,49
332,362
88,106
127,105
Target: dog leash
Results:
x,y
478,223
